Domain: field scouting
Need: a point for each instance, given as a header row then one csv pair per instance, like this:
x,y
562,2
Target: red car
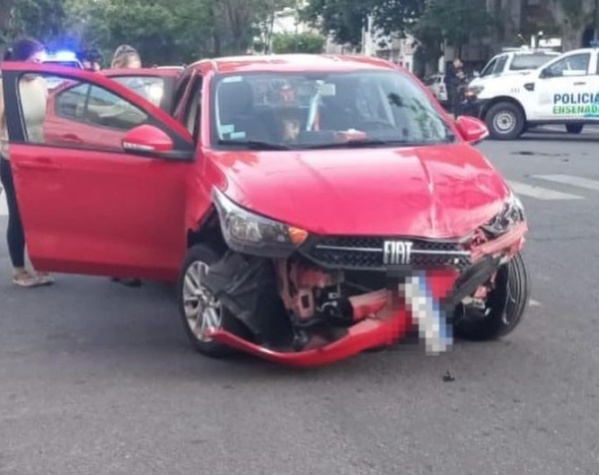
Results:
x,y
308,207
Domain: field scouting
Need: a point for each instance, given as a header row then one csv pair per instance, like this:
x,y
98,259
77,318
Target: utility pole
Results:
x,y
596,33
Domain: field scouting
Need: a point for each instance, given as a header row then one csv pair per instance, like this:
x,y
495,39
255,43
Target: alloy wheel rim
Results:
x,y
202,310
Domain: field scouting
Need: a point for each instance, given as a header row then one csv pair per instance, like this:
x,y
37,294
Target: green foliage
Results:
x,y
396,17
343,18
455,21
41,19
574,9
310,43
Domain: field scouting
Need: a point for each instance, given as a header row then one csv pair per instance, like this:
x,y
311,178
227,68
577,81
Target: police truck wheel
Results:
x,y
574,128
505,121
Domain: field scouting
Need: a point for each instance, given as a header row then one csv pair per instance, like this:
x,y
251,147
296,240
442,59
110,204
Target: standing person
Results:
x,y
126,56
453,80
33,94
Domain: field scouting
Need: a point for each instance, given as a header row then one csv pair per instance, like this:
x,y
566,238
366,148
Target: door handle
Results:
x,y
71,138
38,164
580,83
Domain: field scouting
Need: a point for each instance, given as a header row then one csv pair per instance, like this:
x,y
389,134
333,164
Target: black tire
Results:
x,y
201,253
505,121
508,304
574,128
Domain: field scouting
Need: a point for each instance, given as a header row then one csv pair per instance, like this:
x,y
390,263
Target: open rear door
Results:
x,y
90,203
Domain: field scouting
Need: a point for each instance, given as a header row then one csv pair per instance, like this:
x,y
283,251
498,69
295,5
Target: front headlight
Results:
x,y
473,91
511,214
250,233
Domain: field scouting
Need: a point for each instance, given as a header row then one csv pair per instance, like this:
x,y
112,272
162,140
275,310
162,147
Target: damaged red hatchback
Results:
x,y
309,207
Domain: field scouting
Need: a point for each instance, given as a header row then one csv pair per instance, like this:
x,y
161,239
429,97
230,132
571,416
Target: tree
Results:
x,y
309,43
396,17
170,31
344,19
41,19
266,14
347,19
455,22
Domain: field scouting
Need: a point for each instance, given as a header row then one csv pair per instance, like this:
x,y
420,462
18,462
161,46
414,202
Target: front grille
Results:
x,y
366,253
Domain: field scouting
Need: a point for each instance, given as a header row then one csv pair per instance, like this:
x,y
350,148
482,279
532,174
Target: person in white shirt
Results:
x,y
33,93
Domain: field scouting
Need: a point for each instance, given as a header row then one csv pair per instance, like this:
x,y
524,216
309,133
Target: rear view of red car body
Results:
x,y
308,207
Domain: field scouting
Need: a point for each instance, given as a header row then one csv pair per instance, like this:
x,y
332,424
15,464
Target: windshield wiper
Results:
x,y
254,144
368,143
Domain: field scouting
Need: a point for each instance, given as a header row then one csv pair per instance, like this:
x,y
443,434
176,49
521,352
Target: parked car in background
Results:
x,y
436,83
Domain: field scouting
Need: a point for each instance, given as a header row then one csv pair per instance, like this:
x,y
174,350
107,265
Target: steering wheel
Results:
x,y
377,123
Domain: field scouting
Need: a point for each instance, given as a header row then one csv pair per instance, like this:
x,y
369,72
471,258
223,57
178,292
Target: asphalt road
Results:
x,y
98,379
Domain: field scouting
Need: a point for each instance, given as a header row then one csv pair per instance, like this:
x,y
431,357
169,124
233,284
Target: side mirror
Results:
x,y
150,141
545,73
476,74
471,129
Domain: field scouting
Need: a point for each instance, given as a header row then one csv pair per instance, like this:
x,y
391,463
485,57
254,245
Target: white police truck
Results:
x,y
563,91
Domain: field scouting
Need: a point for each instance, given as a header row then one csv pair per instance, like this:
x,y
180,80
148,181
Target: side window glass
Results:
x,y
571,66
489,68
106,109
75,113
70,104
150,88
498,69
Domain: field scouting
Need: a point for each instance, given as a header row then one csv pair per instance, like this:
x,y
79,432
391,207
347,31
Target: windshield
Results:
x,y
530,61
265,111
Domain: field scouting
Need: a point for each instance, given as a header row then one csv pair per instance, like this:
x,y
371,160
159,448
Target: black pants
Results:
x,y
453,99
14,234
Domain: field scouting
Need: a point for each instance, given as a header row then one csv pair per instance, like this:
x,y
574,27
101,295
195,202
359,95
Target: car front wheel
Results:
x,y
505,305
505,121
198,307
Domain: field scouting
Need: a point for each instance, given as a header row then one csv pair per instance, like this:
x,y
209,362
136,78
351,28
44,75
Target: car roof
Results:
x,y
295,62
166,71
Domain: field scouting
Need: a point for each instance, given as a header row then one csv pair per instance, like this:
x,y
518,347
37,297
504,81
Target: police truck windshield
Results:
x,y
523,62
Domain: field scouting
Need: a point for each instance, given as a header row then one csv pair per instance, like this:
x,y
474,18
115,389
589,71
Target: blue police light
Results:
x,y
63,56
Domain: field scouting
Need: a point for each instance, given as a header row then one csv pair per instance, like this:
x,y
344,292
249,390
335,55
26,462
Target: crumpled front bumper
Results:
x,y
389,318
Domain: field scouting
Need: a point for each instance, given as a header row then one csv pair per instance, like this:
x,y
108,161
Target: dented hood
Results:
x,y
435,192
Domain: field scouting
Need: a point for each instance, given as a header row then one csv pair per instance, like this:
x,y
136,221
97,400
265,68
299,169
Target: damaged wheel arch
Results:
x,y
507,304
199,309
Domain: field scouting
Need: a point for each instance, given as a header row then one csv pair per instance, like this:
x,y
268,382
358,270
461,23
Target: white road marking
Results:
x,y
534,303
541,193
571,180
